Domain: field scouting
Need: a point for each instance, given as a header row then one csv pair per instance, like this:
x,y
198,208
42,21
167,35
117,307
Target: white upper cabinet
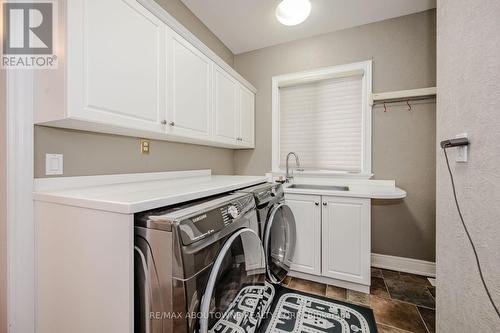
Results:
x,y
115,64
234,111
188,85
246,118
225,107
124,70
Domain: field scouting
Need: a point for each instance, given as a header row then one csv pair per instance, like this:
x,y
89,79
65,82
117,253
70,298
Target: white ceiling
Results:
x,y
245,25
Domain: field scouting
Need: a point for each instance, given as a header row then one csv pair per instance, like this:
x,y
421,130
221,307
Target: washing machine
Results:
x,y
201,267
276,228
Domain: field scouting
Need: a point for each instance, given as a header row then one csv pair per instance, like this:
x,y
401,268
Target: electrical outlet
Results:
x,y
53,164
145,146
462,151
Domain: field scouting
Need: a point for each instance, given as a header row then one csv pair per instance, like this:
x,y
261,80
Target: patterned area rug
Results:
x,y
276,309
294,311
245,313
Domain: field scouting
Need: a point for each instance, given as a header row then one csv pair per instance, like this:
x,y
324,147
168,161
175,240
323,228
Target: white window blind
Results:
x,y
322,122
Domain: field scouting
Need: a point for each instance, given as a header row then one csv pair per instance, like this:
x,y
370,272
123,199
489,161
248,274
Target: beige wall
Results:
x,y
88,153
3,206
404,55
468,101
404,150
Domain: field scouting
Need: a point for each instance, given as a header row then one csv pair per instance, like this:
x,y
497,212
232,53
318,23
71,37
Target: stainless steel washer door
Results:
x,y
279,242
237,294
150,293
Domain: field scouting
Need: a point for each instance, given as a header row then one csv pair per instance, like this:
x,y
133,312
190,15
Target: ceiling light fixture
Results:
x,y
293,12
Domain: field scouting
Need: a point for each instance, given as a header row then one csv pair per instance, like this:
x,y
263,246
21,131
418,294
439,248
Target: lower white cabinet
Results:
x,y
84,270
345,239
333,237
307,212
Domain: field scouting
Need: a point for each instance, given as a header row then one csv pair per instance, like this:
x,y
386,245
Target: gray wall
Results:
x,y
468,101
404,57
88,153
404,150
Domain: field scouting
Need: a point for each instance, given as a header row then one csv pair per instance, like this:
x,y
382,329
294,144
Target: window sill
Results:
x,y
323,174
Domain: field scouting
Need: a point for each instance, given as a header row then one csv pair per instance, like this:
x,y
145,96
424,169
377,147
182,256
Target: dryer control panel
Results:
x,y
199,219
202,224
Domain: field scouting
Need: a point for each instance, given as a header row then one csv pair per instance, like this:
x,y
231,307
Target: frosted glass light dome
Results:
x,y
293,12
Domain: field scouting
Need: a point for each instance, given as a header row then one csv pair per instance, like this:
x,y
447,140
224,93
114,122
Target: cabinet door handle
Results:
x,y
324,204
316,203
164,122
171,123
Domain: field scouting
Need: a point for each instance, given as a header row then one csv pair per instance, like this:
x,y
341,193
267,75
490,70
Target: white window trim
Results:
x,y
364,68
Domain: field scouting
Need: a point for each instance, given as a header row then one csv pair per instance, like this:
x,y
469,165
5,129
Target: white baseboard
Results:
x,y
401,264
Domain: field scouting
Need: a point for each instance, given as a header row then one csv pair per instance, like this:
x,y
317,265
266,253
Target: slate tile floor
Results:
x,y
401,302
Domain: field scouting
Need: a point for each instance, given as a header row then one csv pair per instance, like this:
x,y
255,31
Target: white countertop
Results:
x,y
355,192
358,188
134,193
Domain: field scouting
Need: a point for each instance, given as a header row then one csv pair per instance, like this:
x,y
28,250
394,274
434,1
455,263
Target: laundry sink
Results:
x,y
318,187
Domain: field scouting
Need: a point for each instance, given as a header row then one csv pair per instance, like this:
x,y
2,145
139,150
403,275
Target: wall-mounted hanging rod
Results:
x,y
404,95
402,100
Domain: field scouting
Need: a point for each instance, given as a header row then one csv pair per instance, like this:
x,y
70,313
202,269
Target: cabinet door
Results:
x,y
226,122
189,98
115,61
346,239
247,118
307,212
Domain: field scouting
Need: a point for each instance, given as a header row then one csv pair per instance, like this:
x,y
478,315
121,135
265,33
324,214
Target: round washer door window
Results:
x,y
279,242
237,294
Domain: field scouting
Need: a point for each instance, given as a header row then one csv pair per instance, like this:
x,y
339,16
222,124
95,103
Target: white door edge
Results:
x,y
21,301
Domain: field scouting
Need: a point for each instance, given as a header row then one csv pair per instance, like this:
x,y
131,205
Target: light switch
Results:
x,y
53,164
462,151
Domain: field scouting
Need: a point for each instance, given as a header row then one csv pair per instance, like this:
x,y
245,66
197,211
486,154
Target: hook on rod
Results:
x,y
385,107
408,103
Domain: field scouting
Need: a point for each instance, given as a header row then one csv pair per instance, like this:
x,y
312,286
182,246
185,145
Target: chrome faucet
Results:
x,y
297,165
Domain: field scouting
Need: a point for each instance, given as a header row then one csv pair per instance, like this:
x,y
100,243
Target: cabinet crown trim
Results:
x,y
175,25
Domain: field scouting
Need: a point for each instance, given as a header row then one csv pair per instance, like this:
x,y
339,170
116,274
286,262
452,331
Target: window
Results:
x,y
323,116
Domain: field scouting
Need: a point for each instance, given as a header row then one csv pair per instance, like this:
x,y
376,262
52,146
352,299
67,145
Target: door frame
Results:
x,y
21,283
